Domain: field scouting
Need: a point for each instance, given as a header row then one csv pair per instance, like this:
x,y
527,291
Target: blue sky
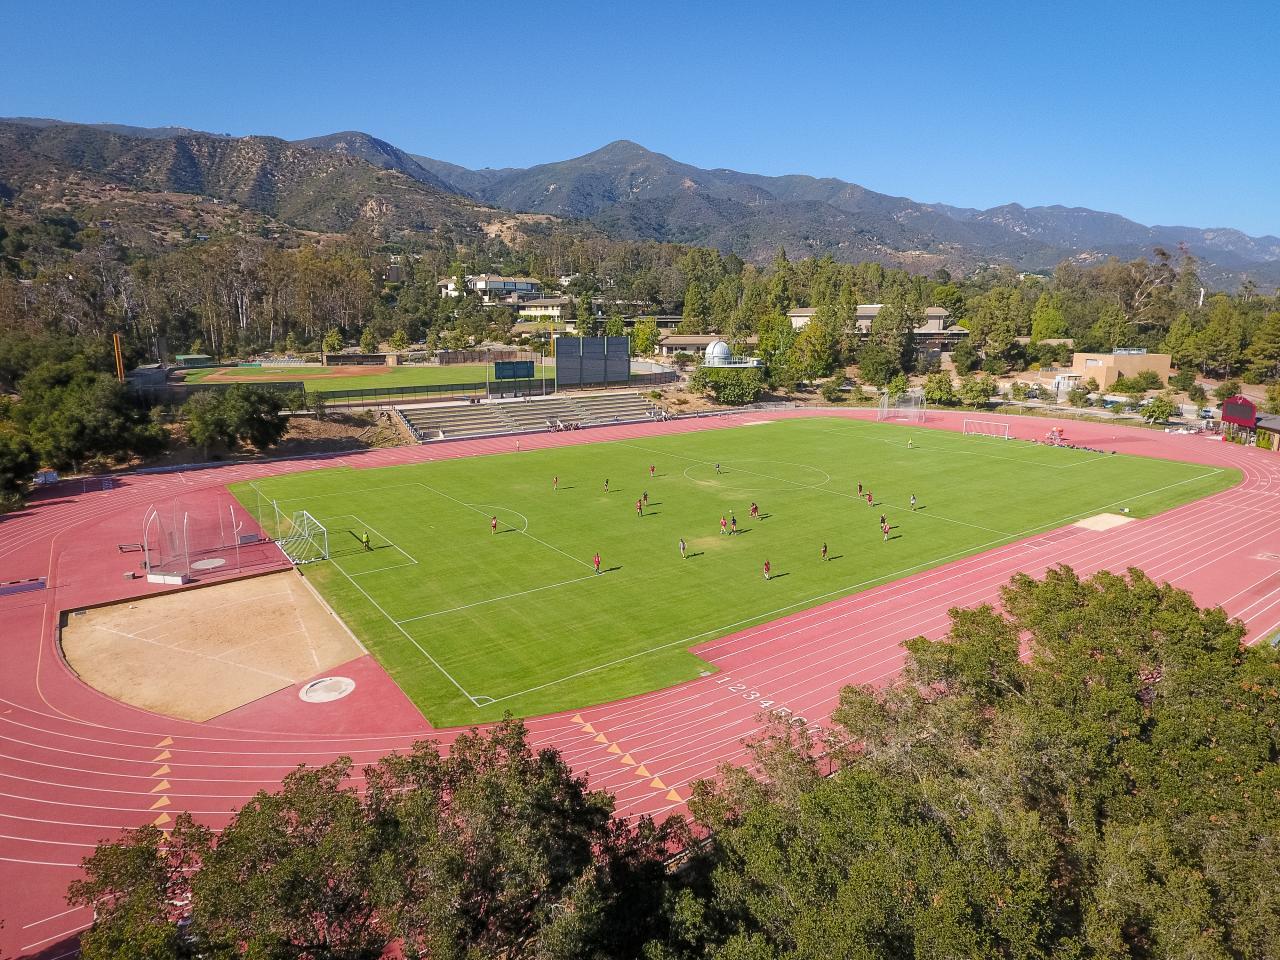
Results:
x,y
1165,113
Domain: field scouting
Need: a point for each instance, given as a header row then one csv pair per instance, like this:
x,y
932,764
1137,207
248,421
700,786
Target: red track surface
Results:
x,y
76,767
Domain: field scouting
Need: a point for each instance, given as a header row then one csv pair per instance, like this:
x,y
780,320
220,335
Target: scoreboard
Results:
x,y
1240,411
513,370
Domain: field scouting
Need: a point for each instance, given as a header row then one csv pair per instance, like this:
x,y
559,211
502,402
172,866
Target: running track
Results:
x,y
76,766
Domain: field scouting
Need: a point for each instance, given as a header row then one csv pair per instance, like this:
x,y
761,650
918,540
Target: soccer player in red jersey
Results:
x,y
493,524
595,561
767,568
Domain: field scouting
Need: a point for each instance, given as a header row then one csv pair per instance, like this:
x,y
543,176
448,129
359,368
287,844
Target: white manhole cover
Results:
x,y
211,563
330,688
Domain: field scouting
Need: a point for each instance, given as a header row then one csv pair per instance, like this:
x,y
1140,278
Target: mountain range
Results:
x,y
334,182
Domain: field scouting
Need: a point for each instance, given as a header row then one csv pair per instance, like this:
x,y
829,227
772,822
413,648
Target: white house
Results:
x,y
493,288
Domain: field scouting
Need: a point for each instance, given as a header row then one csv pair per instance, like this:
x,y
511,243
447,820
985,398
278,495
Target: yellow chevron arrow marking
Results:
x,y
161,771
162,802
626,761
166,742
674,797
164,755
657,783
641,771
588,728
162,785
161,820
577,718
601,738
614,748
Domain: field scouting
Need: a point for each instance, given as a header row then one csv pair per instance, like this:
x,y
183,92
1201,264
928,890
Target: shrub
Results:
x,y
832,391
1078,397
1264,440
734,387
1196,393
1182,380
1227,388
939,390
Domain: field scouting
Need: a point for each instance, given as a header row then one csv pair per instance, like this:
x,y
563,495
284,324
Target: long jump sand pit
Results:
x,y
195,654
1104,521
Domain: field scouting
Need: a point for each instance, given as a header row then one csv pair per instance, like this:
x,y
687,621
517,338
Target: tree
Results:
x,y
1111,330
733,386
1272,404
497,848
296,873
898,386
614,327
1263,353
817,344
964,357
939,390
1227,388
368,341
1048,322
1085,770
697,309
72,414
399,340
1161,409
241,414
332,341
140,891
644,339
976,391
18,463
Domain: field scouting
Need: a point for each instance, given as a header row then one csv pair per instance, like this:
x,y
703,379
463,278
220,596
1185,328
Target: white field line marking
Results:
x,y
203,656
58,936
524,531
961,447
926,564
820,488
421,649
54,916
391,543
508,596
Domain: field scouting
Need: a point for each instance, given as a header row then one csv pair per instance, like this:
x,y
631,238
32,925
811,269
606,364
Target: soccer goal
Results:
x,y
987,428
908,406
301,537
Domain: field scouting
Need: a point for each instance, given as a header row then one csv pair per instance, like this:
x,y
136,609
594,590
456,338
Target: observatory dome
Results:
x,y
718,354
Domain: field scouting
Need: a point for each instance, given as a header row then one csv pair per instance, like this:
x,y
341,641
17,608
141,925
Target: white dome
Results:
x,y
718,353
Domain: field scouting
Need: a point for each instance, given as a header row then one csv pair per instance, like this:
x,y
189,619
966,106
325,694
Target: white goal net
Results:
x,y
987,428
909,406
301,537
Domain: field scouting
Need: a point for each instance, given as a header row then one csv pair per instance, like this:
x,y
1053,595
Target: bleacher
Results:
x,y
449,422
533,415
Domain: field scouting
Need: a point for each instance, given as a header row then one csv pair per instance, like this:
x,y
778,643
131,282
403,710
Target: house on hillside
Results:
x,y
493,288
555,309
936,335
697,343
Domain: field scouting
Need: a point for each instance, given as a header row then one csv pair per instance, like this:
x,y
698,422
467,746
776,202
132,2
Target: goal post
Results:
x,y
909,406
300,536
986,428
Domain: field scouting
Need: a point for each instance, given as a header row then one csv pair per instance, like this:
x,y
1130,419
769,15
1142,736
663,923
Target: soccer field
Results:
x,y
472,624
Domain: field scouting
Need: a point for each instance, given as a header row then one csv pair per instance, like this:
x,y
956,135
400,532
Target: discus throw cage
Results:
x,y
909,406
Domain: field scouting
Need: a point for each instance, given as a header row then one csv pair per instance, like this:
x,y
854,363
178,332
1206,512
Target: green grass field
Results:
x,y
472,624
318,378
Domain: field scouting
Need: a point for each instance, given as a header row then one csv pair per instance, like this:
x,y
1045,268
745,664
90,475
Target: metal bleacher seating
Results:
x,y
536,414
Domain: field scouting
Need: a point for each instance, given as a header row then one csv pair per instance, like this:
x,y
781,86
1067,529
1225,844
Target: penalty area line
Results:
x,y
507,596
421,649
